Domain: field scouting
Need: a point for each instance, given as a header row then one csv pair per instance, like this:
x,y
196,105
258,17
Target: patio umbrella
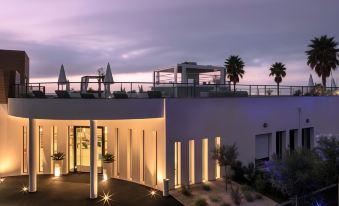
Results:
x,y
310,83
333,84
108,80
62,80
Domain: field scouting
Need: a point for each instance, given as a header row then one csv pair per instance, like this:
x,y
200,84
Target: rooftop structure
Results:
x,y
159,133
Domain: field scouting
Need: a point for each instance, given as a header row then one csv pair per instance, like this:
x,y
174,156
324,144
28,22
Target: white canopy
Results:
x,y
62,76
108,80
108,76
310,81
333,84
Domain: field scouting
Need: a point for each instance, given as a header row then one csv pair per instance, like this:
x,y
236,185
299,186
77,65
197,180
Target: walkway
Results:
x,y
73,189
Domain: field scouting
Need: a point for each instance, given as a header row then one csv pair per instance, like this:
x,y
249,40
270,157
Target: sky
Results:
x,y
139,36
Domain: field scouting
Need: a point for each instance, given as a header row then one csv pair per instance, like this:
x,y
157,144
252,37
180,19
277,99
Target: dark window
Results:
x,y
306,138
279,136
292,139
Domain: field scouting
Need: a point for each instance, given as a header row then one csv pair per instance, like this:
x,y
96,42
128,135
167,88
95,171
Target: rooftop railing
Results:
x,y
160,90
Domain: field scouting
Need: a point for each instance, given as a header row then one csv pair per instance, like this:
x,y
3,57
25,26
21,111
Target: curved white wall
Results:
x,y
82,109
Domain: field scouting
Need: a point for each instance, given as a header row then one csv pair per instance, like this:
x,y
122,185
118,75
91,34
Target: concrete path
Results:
x,y
73,189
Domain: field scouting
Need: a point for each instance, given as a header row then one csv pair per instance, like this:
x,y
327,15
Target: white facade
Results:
x,y
154,139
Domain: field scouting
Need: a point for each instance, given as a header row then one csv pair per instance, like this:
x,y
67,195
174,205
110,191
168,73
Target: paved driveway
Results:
x,y
73,189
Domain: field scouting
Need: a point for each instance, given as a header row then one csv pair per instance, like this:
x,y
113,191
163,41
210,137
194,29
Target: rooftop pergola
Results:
x,y
190,72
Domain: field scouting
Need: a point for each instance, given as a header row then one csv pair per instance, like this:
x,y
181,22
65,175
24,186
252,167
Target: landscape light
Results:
x,y
106,198
24,189
57,171
152,193
2,179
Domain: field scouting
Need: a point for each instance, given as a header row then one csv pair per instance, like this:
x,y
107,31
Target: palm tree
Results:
x,y
323,56
234,69
278,70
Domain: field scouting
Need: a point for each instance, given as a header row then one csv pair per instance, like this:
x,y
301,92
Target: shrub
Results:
x,y
108,158
201,202
246,188
215,198
58,156
238,169
225,204
206,187
260,183
258,196
248,196
236,195
297,93
185,190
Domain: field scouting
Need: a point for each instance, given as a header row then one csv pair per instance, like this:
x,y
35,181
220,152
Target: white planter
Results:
x,y
107,170
58,167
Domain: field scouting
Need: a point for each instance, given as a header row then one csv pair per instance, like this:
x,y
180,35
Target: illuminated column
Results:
x,y
175,75
93,160
32,156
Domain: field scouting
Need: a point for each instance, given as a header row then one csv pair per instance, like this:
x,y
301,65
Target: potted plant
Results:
x,y
107,160
58,160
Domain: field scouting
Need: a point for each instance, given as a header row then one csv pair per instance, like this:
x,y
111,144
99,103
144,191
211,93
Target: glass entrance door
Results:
x,y
81,141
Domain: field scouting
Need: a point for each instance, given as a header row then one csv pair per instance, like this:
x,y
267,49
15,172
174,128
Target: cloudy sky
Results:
x,y
137,36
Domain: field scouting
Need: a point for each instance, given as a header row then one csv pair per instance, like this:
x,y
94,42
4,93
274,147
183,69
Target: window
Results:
x,y
262,149
41,150
71,149
293,139
156,157
217,166
117,152
54,140
24,149
129,155
279,144
177,164
307,138
191,162
205,160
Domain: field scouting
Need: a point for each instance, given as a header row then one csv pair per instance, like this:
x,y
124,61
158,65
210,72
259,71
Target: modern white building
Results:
x,y
152,138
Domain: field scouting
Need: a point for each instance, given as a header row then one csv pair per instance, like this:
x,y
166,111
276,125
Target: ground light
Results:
x,y
24,189
2,179
152,193
106,198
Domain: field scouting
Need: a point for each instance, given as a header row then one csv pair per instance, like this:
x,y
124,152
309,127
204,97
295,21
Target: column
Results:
x,y
93,160
183,75
222,76
32,156
157,79
175,75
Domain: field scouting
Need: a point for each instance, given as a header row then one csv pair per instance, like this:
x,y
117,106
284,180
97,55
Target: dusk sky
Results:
x,y
139,36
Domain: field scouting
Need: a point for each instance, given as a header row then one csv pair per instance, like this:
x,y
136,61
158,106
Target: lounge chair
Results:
x,y
154,94
62,94
39,94
120,95
87,95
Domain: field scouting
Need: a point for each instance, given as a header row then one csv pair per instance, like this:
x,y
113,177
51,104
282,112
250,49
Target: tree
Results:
x,y
226,155
278,70
323,56
328,150
296,173
234,69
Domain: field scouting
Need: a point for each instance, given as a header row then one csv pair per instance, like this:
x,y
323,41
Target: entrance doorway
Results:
x,y
79,144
